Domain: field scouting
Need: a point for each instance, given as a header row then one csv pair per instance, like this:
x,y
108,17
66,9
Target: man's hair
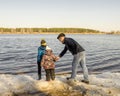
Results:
x,y
61,35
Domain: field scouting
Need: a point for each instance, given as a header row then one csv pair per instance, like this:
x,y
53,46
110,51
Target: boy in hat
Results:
x,y
41,52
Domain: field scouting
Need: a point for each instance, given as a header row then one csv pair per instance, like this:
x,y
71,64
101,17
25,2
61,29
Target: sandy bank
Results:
x,y
106,84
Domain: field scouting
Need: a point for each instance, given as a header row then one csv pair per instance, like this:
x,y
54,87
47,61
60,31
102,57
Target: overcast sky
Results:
x,y
102,15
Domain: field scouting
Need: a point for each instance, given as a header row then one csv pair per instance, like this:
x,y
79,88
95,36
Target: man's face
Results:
x,y
61,39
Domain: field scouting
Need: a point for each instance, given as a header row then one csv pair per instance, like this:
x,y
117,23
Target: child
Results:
x,y
41,52
48,64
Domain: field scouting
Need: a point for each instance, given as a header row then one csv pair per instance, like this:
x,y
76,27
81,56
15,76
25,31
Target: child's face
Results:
x,y
48,52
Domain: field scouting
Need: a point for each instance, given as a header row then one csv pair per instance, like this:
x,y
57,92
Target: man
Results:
x,y
41,52
78,56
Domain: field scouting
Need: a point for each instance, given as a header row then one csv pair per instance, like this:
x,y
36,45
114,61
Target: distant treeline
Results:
x,y
114,32
47,30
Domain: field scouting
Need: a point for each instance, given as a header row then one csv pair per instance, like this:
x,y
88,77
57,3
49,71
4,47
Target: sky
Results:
x,y
103,15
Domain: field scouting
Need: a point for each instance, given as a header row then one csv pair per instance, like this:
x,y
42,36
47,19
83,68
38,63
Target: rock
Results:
x,y
23,85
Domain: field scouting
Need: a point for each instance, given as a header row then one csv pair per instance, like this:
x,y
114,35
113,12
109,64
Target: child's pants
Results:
x,y
50,74
39,70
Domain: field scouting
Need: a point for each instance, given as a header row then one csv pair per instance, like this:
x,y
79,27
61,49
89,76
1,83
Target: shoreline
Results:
x,y
46,33
104,84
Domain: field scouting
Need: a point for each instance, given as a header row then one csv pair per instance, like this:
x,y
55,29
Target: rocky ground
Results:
x,y
106,84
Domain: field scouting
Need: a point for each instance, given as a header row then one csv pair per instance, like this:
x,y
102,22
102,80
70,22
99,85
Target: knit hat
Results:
x,y
43,42
48,48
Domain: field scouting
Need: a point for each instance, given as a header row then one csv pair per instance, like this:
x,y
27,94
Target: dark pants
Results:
x,y
39,70
50,74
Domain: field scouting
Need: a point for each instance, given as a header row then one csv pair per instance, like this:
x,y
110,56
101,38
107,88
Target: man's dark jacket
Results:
x,y
71,45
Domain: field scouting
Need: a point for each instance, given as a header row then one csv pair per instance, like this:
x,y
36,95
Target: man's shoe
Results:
x,y
68,78
71,79
85,81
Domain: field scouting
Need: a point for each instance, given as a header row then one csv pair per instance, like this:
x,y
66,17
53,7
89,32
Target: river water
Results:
x,y
18,53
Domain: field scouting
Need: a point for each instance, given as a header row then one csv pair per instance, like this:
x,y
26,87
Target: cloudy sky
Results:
x,y
102,15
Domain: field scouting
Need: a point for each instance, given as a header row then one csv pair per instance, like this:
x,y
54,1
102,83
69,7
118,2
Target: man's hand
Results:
x,y
57,58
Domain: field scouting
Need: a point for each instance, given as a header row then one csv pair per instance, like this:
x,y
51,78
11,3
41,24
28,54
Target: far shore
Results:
x,y
100,33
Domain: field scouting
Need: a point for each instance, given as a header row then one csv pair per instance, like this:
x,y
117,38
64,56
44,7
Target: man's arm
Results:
x,y
63,52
